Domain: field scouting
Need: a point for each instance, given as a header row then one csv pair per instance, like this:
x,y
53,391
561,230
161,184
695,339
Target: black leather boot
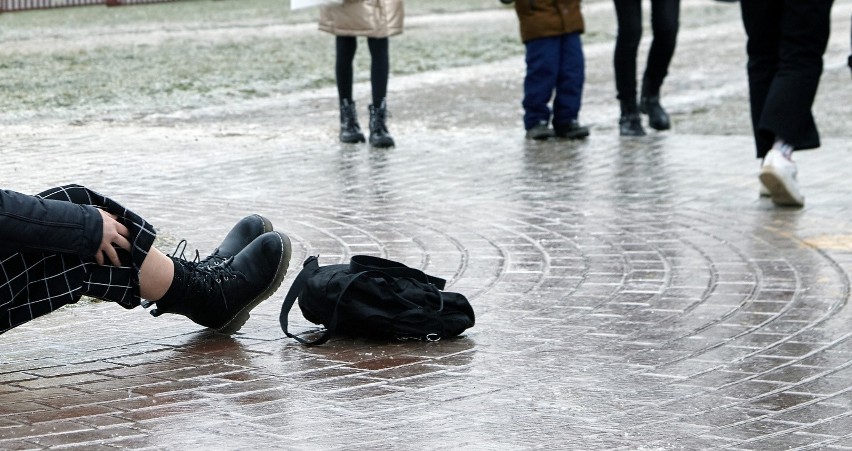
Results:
x,y
350,131
630,123
571,130
221,296
243,233
658,119
379,135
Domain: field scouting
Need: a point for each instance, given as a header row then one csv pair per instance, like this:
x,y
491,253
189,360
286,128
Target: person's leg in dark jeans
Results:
x,y
629,17
350,129
569,88
542,60
379,74
665,17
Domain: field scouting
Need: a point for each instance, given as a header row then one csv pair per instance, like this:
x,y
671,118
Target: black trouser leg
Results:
x,y
629,16
786,42
345,47
665,16
33,284
379,68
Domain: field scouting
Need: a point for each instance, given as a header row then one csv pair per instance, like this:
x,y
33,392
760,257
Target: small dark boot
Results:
x,y
379,135
630,123
350,131
658,119
221,296
243,233
571,130
540,132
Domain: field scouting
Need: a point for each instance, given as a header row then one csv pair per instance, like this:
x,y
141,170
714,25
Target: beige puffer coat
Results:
x,y
371,18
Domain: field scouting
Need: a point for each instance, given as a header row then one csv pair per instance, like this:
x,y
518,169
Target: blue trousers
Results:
x,y
554,64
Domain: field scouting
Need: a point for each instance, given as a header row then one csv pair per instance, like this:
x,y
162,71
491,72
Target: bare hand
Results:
x,y
115,233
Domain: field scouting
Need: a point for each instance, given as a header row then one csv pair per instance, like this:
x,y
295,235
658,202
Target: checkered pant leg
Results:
x,y
34,284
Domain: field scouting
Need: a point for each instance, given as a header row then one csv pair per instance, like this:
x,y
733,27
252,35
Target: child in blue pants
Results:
x,y
550,31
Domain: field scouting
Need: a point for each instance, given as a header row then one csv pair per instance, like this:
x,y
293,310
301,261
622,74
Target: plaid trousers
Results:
x,y
34,283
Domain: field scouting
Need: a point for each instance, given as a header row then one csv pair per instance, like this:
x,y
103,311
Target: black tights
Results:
x,y
379,67
664,23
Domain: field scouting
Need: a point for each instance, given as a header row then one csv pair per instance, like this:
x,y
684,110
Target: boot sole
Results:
x,y
357,140
382,144
267,224
779,191
576,134
243,315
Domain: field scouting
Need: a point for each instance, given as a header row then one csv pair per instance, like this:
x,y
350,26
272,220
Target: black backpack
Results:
x,y
377,298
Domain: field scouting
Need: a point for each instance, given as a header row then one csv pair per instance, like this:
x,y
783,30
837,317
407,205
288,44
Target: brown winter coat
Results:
x,y
546,18
371,18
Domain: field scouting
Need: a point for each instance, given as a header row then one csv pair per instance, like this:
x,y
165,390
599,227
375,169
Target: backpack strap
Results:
x,y
311,265
332,323
361,263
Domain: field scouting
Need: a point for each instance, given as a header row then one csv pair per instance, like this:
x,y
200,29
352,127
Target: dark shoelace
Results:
x,y
202,276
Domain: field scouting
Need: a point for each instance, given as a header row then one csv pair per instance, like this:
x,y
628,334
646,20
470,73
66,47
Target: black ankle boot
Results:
x,y
379,135
658,119
221,296
571,130
350,131
243,233
630,124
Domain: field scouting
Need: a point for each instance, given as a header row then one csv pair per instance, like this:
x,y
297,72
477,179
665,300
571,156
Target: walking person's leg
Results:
x,y
804,30
786,41
379,74
665,17
629,17
569,88
542,60
761,19
350,129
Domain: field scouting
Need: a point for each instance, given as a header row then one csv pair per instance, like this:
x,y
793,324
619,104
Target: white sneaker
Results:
x,y
778,174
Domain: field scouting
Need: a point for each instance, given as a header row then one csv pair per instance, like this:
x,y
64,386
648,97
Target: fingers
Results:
x,y
114,234
122,242
112,255
123,231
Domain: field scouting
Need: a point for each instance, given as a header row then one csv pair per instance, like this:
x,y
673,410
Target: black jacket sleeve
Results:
x,y
28,223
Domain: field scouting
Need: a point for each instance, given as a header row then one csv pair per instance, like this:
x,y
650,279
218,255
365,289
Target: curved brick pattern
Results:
x,y
630,294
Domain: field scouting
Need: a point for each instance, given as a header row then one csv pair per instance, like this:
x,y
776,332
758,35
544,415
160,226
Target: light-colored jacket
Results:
x,y
371,18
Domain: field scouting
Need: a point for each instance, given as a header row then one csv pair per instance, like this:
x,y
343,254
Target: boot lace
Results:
x,y
205,279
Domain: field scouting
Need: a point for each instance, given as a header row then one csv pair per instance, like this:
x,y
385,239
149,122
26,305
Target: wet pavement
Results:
x,y
630,293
